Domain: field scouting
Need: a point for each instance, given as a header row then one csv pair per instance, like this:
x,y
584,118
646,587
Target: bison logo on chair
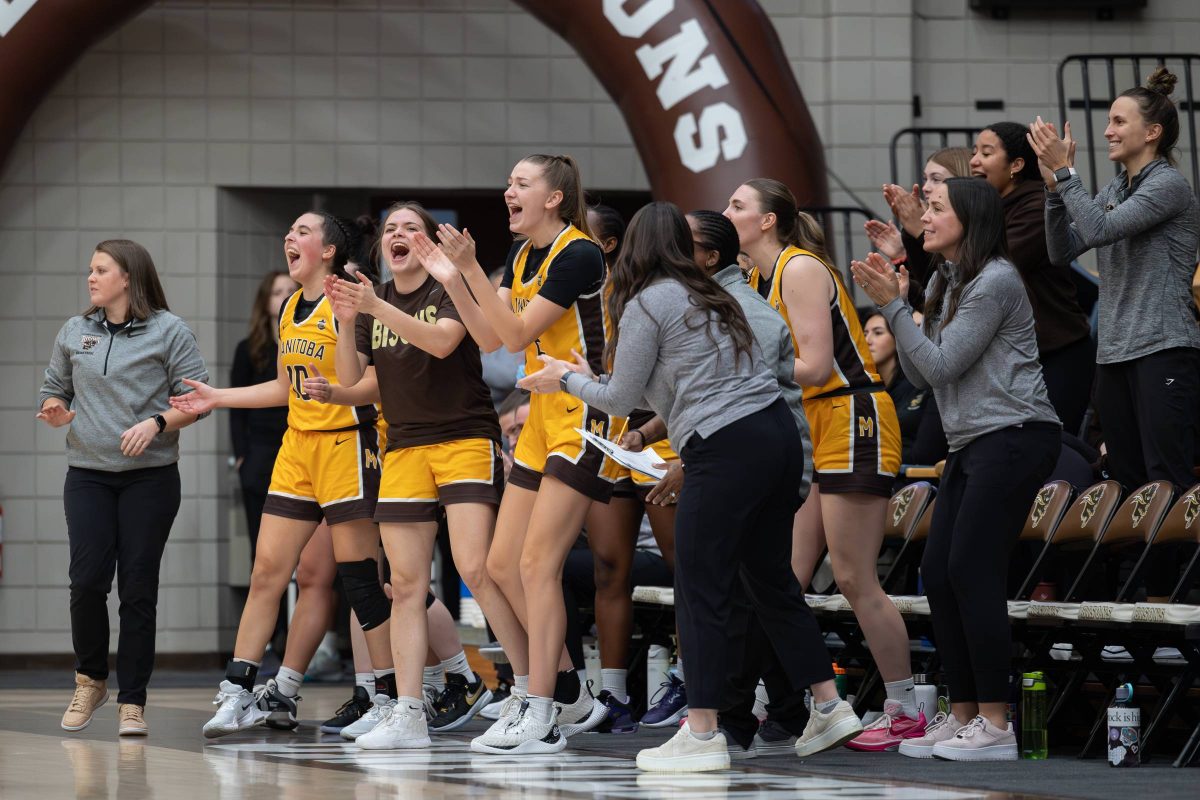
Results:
x,y
900,503
1041,504
1141,502
1091,501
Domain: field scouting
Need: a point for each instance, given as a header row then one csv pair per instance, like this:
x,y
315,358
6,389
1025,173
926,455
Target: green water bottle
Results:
x,y
1033,715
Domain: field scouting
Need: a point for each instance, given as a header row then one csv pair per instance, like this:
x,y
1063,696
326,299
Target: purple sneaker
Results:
x,y
620,715
670,704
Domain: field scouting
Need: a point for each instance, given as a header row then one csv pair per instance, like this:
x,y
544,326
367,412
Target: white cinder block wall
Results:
x,y
191,96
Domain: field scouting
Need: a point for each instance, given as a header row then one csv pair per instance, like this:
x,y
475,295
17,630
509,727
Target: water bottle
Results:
x,y
1033,715
658,662
925,695
1124,729
839,680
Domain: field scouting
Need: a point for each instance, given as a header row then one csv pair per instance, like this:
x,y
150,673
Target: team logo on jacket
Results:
x,y
88,342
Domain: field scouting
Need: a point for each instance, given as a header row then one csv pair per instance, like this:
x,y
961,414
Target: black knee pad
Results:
x,y
360,579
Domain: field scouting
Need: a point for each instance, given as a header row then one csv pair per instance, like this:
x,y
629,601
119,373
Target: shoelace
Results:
x,y
79,700
346,706
129,713
938,721
434,699
664,689
970,729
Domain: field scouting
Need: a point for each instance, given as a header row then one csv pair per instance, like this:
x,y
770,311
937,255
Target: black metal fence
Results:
x,y
919,140
1089,84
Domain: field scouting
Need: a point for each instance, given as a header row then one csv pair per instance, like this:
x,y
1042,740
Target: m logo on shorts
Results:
x,y
866,427
596,426
370,458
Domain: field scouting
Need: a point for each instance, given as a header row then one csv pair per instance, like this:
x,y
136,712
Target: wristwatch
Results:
x,y
562,382
1063,174
160,421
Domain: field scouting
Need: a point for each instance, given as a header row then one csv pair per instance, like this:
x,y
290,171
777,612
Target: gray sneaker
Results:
x,y
773,739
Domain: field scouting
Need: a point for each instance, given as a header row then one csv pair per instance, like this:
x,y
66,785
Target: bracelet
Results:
x,y
160,421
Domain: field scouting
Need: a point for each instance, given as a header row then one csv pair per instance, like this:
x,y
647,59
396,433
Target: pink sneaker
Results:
x,y
940,728
887,732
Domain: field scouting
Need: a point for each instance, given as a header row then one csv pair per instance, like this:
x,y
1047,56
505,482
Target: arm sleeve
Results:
x,y
916,260
577,271
963,340
242,374
1026,232
183,360
637,353
929,445
362,336
58,380
1158,199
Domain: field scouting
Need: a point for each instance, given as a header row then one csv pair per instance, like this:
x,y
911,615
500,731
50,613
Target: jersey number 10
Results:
x,y
297,375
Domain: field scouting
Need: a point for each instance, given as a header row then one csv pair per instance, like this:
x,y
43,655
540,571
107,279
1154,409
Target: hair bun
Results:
x,y
1162,81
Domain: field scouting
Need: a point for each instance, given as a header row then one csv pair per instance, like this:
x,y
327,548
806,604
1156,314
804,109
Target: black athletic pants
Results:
x,y
785,704
983,500
1149,411
1069,372
118,522
734,522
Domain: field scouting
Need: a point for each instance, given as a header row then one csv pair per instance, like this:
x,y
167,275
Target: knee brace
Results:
x,y
360,579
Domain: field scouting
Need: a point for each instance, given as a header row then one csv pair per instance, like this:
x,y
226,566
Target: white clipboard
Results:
x,y
642,462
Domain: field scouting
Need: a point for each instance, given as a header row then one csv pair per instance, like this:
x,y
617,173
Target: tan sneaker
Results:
x,y
683,752
89,695
132,720
827,731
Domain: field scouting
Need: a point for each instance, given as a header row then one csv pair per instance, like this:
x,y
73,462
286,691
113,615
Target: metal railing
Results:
x,y
919,152
1100,78
844,235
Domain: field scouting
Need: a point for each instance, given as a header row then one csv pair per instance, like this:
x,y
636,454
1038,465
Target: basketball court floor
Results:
x,y
39,761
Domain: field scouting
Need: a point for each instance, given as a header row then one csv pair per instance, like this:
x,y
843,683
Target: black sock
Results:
x,y
386,684
566,687
241,673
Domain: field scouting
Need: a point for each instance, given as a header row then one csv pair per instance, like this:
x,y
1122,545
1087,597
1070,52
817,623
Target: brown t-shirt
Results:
x,y
426,400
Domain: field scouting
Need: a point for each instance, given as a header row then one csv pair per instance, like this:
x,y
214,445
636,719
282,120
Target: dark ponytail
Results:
x,y
1154,101
717,233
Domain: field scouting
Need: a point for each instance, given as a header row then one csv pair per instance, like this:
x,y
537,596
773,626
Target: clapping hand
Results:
x,y
885,237
458,247
906,206
433,258
1052,152
317,386
879,279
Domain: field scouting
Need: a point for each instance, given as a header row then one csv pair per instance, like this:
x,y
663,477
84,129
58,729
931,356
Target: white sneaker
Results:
x,y
827,731
583,715
237,710
521,734
369,720
683,752
979,740
399,728
939,729
506,713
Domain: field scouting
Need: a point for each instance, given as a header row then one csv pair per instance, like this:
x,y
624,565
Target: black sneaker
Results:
x,y
460,702
282,716
620,715
350,712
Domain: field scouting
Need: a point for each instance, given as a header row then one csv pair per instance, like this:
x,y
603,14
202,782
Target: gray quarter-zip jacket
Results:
x,y
983,365
114,381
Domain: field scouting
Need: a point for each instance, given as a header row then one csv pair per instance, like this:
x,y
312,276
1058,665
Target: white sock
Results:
x,y
366,680
614,681
828,706
903,693
677,670
288,682
521,685
704,737
434,676
458,665
541,708
412,704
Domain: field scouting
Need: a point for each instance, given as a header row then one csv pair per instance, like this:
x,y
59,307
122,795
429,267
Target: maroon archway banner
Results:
x,y
704,85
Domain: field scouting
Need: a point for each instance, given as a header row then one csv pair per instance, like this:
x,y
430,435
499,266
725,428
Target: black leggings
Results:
x,y
734,523
118,522
1069,372
984,497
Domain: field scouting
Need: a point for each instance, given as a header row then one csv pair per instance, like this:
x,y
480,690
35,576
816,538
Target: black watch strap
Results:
x,y
161,422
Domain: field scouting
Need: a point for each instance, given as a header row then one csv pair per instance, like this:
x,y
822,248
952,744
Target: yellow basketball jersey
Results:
x,y
581,328
313,340
853,367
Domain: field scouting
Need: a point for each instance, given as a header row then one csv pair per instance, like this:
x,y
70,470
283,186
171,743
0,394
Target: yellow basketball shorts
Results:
x,y
417,479
325,474
644,482
550,445
856,443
